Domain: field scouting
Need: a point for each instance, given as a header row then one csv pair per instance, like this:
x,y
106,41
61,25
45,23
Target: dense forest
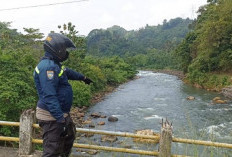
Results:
x,y
148,47
117,41
206,52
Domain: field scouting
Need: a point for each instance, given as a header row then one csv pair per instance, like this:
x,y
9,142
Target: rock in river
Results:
x,y
92,152
112,119
103,116
95,115
190,98
218,100
101,123
91,125
109,138
87,122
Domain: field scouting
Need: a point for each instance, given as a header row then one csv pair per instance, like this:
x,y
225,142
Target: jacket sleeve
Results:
x,y
73,75
49,84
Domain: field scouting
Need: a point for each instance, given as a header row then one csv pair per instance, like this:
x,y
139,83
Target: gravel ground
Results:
x,y
13,152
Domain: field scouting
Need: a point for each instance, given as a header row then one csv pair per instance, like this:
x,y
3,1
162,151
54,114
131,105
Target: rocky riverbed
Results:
x,y
81,119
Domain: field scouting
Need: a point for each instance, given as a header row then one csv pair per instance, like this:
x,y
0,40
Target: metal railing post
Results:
x,y
165,140
26,132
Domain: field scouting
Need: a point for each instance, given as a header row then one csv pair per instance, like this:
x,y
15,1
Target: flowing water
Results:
x,y
143,102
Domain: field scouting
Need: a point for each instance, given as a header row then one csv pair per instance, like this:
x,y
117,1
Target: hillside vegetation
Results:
x,y
148,47
206,52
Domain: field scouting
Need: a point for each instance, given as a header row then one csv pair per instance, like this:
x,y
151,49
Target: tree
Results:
x,y
77,55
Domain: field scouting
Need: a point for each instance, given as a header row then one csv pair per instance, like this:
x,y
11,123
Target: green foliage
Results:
x,y
154,59
225,60
116,70
197,77
33,34
16,68
81,93
117,41
19,55
96,74
208,80
185,51
149,47
208,48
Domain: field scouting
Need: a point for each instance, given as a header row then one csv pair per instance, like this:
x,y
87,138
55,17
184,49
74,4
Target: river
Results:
x,y
143,102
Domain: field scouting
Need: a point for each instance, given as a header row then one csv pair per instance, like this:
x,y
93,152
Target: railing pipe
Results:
x,y
86,146
36,126
6,123
4,138
123,134
124,150
38,141
205,143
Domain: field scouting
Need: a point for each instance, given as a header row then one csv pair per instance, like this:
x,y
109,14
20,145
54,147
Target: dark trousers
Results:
x,y
56,141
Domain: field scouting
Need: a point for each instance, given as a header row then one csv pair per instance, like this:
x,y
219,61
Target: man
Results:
x,y
55,96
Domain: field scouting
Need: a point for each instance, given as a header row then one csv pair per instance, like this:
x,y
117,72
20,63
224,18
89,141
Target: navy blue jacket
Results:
x,y
55,93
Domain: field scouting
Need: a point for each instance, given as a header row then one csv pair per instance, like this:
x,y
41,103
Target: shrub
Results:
x,y
81,93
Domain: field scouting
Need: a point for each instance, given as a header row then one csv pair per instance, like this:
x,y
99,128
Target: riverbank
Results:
x,y
220,83
177,73
100,95
216,82
78,114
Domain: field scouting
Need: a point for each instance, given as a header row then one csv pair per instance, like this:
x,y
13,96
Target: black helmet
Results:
x,y
57,45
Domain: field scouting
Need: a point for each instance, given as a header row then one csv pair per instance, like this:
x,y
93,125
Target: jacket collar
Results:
x,y
47,55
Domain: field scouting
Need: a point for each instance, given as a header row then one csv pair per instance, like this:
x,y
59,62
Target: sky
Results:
x,y
87,15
